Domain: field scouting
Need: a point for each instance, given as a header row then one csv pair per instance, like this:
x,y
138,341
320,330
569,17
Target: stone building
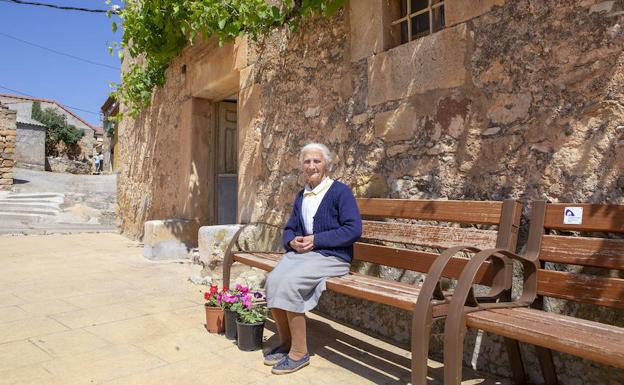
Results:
x,y
109,110
31,135
478,99
7,146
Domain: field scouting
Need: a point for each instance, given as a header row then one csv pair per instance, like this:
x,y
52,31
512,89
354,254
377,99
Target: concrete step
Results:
x,y
33,200
8,216
29,210
32,195
19,205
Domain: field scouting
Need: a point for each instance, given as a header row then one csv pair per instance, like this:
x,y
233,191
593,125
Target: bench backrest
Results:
x,y
593,253
375,212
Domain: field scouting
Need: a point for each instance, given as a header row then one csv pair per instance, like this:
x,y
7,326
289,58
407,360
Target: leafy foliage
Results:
x,y
57,128
156,31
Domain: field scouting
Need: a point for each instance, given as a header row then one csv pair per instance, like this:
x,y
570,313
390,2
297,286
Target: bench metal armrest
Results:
x,y
431,289
463,294
464,302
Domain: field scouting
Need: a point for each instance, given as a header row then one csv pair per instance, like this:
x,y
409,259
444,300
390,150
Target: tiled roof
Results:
x,y
49,101
31,121
98,130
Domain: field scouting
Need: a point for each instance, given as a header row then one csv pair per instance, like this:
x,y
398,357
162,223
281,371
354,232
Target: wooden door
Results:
x,y
227,163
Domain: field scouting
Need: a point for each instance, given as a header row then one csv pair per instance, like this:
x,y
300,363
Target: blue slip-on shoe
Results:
x,y
275,355
288,365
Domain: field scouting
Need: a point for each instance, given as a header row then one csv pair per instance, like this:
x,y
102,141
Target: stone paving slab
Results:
x,y
89,309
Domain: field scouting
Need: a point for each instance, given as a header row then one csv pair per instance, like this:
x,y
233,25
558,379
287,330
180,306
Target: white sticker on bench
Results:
x,y
573,216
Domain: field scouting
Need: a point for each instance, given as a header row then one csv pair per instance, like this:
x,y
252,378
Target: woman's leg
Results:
x,y
283,329
298,347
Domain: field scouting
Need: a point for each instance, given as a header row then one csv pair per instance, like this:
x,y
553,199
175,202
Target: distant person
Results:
x,y
96,159
101,161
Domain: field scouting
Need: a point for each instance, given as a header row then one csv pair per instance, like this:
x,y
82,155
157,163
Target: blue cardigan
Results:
x,y
337,223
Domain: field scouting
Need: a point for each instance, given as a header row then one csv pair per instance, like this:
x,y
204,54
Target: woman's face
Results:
x,y
314,167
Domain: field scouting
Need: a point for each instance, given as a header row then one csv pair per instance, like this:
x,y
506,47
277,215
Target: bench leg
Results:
x,y
518,375
547,365
454,354
421,330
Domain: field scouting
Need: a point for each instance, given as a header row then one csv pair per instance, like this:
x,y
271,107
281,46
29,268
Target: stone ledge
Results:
x,y
169,238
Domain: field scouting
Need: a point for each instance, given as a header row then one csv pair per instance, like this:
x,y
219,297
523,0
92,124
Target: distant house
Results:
x,y
30,146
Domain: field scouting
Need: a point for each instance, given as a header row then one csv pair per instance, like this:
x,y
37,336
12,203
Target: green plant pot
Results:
x,y
231,316
249,336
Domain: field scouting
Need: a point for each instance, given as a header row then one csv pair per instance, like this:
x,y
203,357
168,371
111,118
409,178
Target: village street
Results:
x,y
45,202
100,313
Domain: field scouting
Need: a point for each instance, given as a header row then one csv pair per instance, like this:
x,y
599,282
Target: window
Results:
x,y
416,18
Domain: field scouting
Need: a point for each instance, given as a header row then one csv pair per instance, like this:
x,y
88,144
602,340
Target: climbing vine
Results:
x,y
156,31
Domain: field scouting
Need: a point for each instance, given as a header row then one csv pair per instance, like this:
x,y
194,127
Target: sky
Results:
x,y
39,73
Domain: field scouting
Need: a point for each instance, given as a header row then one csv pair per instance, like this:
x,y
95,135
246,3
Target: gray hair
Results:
x,y
322,148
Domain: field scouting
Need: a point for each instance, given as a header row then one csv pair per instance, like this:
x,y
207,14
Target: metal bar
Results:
x,y
544,356
518,374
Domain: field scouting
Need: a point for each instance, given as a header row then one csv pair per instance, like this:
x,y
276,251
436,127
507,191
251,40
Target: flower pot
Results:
x,y
214,319
231,316
249,335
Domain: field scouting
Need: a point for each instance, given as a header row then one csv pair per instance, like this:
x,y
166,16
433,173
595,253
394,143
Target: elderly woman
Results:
x,y
319,237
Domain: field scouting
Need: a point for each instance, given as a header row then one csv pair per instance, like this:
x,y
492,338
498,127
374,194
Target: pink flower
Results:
x,y
247,303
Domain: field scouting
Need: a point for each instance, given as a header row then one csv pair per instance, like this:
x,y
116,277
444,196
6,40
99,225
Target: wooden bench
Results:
x,y
505,216
548,331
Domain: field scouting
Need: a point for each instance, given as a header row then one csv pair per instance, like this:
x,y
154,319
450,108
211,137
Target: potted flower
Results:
x,y
250,323
229,299
214,310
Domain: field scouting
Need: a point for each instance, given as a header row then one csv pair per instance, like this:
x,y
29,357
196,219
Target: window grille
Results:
x,y
419,18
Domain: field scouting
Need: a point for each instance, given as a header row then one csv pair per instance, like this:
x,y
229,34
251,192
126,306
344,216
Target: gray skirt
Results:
x,y
298,280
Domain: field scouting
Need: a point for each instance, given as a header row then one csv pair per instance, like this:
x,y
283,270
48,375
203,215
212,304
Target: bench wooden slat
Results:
x,y
263,261
429,236
397,294
476,212
596,217
597,252
604,291
415,260
588,339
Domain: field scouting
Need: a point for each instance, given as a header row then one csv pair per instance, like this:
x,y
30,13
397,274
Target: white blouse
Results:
x,y
311,201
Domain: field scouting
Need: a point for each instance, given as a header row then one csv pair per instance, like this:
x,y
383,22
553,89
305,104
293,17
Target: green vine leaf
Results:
x,y
156,31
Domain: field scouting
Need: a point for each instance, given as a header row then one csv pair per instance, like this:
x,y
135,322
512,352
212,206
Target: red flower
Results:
x,y
207,296
214,289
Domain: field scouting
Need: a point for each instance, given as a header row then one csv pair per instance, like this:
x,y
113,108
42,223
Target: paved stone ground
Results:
x,y
89,202
99,313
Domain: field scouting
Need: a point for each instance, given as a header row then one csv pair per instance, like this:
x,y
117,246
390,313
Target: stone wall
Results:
x,y
165,161
514,99
61,164
30,146
7,146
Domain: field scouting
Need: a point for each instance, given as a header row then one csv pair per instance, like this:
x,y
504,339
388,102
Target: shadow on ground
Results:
x,y
361,357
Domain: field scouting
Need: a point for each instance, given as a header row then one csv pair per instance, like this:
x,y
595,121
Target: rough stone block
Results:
x,y
169,239
507,108
213,243
366,37
434,62
458,11
399,124
6,181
